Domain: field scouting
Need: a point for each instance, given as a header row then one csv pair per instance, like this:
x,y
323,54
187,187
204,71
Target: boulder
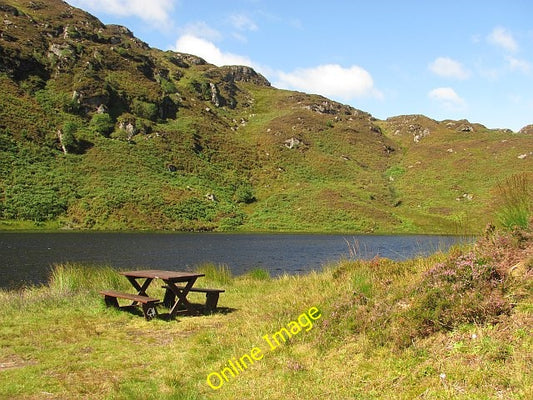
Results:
x,y
465,128
526,130
101,109
211,197
239,73
292,143
216,99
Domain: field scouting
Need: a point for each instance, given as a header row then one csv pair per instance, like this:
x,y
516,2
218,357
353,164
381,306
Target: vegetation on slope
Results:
x,y
99,131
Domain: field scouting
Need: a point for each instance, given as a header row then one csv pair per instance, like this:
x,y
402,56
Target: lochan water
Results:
x,y
26,258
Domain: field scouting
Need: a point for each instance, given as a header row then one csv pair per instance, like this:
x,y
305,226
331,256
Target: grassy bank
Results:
x,y
455,325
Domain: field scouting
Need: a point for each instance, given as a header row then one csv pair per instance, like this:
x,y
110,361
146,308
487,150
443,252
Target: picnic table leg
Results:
x,y
170,298
149,311
141,290
111,301
211,302
181,295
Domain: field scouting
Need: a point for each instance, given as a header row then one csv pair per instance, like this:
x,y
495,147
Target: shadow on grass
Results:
x,y
198,310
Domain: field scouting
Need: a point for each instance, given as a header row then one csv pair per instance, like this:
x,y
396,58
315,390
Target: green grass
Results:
x,y
371,341
219,274
343,176
515,198
259,274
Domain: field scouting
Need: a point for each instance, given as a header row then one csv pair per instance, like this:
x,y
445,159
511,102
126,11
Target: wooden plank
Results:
x,y
128,296
161,274
204,290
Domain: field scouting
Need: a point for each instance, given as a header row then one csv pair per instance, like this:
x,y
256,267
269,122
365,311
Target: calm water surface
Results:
x,y
26,258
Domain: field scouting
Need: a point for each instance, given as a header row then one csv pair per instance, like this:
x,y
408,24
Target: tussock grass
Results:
x,y
383,333
75,278
514,196
259,274
220,274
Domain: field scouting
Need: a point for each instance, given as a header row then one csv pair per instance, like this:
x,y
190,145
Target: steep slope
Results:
x,y
100,131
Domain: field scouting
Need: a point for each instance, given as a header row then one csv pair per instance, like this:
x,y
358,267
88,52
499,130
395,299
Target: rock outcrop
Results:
x,y
526,130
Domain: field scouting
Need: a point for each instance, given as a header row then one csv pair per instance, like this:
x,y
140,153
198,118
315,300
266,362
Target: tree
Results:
x,y
67,137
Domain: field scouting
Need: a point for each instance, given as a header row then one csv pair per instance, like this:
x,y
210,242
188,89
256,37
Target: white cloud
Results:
x,y
518,65
330,80
243,23
448,68
207,50
448,97
202,30
156,12
501,37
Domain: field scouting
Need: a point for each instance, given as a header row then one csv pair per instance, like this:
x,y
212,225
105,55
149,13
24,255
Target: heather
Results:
x,y
452,325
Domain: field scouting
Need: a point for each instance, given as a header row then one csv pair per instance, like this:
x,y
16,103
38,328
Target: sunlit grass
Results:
x,y
259,274
515,200
72,278
61,339
220,274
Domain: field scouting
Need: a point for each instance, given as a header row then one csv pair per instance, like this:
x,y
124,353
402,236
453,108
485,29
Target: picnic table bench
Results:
x,y
147,303
175,295
211,296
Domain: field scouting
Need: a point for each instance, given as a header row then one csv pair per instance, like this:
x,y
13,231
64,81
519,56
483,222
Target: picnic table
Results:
x,y
177,286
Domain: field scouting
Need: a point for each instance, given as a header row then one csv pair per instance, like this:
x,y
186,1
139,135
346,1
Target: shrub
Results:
x,y
102,124
168,86
245,193
464,289
144,109
232,220
477,286
68,137
34,203
193,209
53,101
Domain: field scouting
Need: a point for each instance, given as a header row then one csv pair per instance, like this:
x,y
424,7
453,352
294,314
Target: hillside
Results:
x,y
100,131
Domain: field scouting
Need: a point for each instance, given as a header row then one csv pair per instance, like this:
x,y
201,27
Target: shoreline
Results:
x,y
371,339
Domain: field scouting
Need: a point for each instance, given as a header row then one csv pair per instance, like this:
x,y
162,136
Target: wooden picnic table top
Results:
x,y
162,274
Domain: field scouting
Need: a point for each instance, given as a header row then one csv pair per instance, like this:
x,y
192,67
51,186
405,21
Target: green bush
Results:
x,y
34,203
245,193
53,101
193,209
102,124
144,109
68,137
168,86
232,220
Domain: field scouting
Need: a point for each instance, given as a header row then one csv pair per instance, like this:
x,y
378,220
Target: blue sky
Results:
x,y
447,60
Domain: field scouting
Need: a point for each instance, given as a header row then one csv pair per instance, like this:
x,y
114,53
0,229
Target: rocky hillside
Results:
x,y
100,131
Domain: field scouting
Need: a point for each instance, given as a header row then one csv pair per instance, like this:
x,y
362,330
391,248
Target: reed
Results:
x,y
220,273
259,274
73,278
